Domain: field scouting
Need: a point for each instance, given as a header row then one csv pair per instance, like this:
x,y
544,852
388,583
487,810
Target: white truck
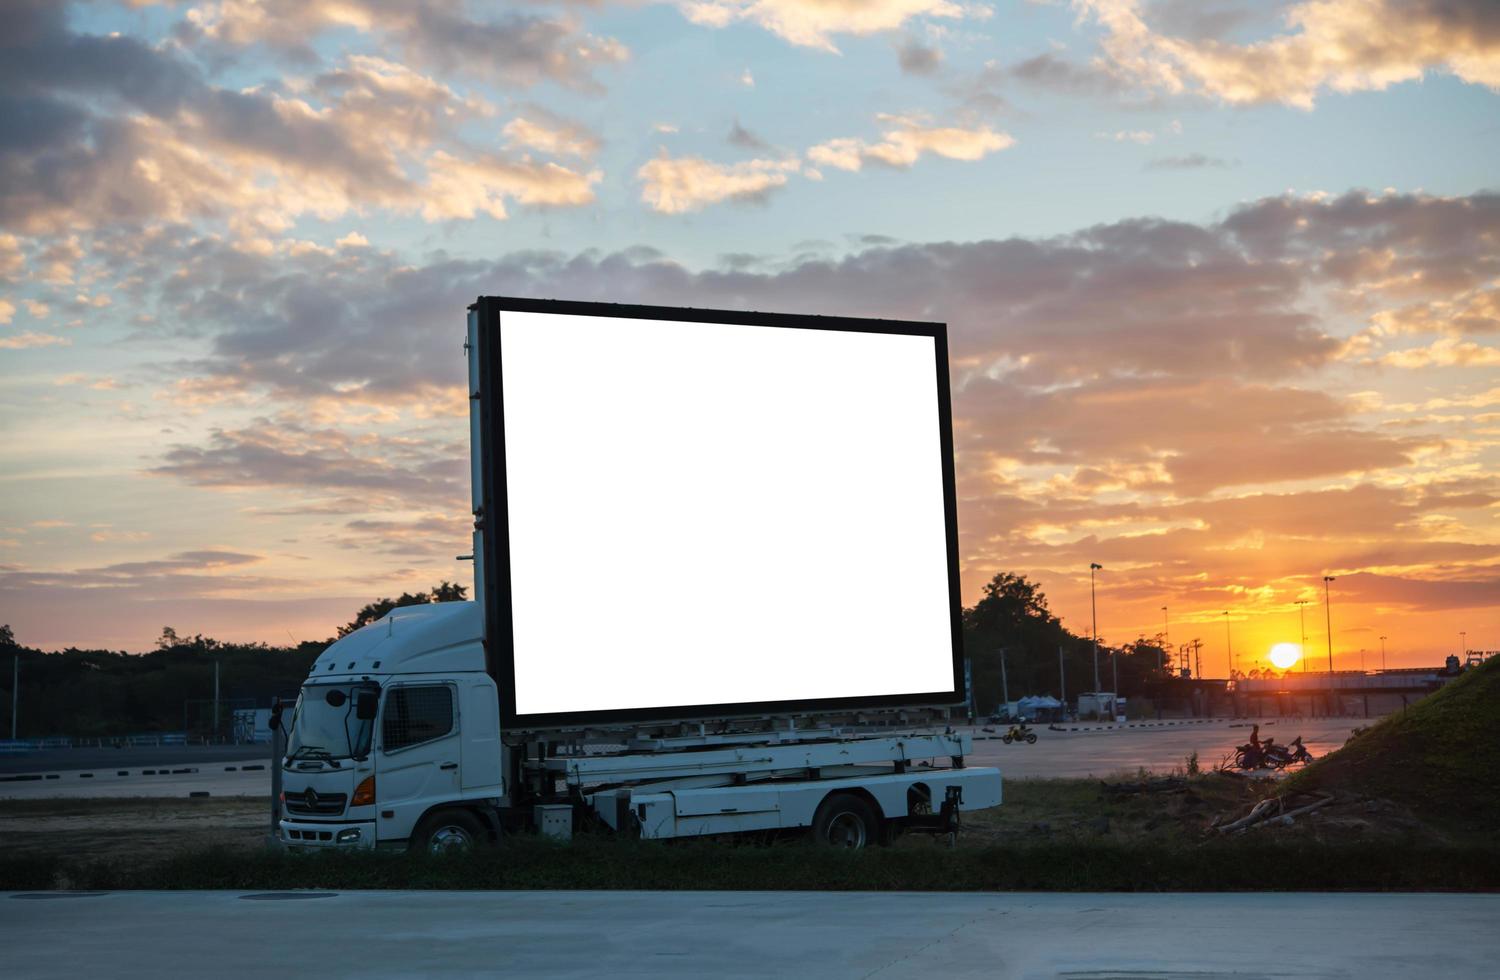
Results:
x,y
777,645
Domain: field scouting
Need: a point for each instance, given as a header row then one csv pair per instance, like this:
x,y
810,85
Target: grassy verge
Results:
x,y
530,863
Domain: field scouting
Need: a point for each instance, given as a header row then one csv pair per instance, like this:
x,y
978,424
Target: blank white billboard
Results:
x,y
718,513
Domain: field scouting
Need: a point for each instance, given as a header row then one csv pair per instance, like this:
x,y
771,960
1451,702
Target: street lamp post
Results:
x,y
1302,631
1166,637
1328,614
1382,654
1228,643
1094,608
1463,643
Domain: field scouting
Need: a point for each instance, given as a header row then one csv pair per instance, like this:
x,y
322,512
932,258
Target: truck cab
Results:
x,y
395,722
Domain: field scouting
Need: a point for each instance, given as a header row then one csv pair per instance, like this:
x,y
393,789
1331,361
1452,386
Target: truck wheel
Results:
x,y
846,820
446,832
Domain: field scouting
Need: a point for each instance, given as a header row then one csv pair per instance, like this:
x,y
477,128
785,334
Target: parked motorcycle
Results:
x,y
1294,754
1019,733
1269,755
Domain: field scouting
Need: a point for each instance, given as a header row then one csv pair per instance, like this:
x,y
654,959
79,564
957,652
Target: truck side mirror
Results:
x,y
274,724
366,705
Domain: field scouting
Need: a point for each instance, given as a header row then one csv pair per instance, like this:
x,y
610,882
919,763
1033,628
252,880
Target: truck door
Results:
x,y
418,762
481,739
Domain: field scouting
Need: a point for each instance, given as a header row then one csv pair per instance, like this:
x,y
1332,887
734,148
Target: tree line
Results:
x,y
105,693
91,693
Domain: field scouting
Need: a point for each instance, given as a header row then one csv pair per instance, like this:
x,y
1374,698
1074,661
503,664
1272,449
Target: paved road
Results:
x,y
751,934
1160,749
217,777
1056,754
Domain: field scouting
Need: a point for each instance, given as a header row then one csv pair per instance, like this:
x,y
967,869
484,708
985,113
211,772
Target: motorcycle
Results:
x,y
1269,755
1019,733
1284,756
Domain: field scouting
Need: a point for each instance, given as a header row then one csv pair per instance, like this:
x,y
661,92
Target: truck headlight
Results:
x,y
364,793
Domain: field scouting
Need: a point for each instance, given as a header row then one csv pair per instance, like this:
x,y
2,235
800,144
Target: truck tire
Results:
x,y
446,832
846,820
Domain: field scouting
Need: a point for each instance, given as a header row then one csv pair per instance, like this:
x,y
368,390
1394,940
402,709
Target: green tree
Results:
x,y
442,592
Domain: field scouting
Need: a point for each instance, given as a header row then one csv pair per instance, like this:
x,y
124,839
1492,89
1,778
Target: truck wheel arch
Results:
x,y
489,821
877,831
918,799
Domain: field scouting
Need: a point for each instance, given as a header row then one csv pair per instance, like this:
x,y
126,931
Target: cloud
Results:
x,y
12,260
917,58
287,454
1190,161
1241,298
516,48
549,134
1338,45
813,23
1048,70
460,188
903,142
1473,312
675,185
1141,136
744,139
30,339
113,132
1446,352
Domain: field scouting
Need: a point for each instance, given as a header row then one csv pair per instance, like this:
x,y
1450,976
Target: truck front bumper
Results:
x,y
351,834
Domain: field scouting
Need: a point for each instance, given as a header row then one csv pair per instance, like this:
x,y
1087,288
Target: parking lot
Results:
x,y
1091,751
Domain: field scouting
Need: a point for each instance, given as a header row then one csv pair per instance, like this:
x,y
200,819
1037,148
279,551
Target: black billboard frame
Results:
x,y
493,519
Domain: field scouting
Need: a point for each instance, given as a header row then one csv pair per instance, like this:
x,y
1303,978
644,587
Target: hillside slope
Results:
x,y
1440,757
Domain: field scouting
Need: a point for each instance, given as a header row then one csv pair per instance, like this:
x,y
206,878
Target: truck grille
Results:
x,y
312,803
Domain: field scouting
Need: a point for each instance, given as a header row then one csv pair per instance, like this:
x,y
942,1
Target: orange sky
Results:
x,y
1222,283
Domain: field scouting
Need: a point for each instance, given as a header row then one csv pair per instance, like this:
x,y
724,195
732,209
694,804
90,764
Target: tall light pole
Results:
x,y
1382,654
15,695
1328,613
1228,643
1302,634
1166,637
1463,643
1094,607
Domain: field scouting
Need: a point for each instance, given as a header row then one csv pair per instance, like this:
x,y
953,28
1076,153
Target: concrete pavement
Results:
x,y
750,934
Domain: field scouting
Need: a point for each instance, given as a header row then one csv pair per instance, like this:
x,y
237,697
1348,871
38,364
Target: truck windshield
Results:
x,y
325,726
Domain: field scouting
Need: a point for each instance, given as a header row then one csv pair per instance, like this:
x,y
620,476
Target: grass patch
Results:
x,y
532,863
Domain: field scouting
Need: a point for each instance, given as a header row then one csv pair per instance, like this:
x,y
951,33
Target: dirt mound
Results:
x,y
1440,757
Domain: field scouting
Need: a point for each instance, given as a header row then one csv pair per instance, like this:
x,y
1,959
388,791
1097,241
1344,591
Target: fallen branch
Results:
x,y
1257,813
1292,814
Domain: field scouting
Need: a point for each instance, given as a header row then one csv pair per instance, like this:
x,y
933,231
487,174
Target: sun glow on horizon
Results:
x,y
1283,655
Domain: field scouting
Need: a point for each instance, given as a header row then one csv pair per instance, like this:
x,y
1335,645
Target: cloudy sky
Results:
x,y
1222,278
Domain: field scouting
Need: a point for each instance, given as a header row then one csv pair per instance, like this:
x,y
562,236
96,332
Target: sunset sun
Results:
x,y
1283,655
